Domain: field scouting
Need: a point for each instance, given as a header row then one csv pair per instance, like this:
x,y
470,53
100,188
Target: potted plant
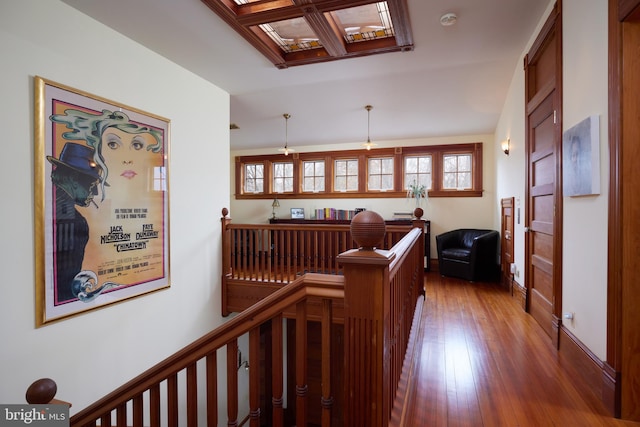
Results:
x,y
419,193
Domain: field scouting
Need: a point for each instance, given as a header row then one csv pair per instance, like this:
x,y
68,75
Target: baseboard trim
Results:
x,y
583,362
611,392
519,293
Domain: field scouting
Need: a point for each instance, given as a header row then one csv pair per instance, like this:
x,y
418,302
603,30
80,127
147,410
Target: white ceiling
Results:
x,y
454,82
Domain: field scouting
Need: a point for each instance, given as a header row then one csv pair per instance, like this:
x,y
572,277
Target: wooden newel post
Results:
x,y
42,392
366,313
226,255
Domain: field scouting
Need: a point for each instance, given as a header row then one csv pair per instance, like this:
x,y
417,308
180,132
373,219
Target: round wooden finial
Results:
x,y
225,212
418,212
42,391
368,229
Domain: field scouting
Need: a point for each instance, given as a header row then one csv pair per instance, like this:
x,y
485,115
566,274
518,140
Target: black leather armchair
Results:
x,y
469,254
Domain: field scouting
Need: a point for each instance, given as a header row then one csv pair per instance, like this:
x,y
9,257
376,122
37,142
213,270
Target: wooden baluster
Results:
x,y
276,371
251,252
138,411
263,251
327,397
254,377
232,383
192,395
293,255
212,388
234,253
301,364
270,255
243,249
154,405
226,242
281,249
172,401
323,251
121,415
302,253
105,420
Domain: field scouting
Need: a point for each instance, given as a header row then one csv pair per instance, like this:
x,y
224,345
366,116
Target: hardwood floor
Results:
x,y
485,362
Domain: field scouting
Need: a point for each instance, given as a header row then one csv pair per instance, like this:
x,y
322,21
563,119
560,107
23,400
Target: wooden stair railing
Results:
x,y
140,398
261,258
382,289
380,292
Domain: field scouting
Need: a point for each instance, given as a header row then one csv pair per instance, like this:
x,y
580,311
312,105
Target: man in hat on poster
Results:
x,y
76,177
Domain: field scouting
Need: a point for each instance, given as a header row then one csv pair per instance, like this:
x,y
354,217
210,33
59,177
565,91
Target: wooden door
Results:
x,y
544,201
506,245
621,388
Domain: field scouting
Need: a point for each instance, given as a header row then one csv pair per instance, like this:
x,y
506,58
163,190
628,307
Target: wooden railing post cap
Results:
x,y
42,391
225,212
368,230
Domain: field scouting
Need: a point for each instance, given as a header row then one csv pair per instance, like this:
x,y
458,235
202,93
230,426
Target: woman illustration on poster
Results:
x,y
128,154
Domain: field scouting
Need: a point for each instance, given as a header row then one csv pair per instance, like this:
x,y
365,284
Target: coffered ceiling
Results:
x,y
299,32
432,80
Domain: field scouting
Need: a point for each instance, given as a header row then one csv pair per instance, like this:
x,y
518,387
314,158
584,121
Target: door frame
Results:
x,y
621,276
553,24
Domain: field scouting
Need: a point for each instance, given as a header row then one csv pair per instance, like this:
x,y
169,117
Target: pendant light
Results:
x,y
286,150
368,144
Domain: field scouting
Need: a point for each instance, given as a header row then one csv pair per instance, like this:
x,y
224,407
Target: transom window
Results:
x,y
457,171
283,177
346,175
419,170
452,170
380,174
254,178
313,176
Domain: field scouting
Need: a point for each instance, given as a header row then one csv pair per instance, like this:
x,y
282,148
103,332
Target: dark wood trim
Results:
x,y
611,390
519,292
585,364
628,9
558,221
611,386
534,95
245,20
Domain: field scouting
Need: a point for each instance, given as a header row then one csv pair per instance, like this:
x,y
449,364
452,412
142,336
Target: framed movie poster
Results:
x,y
101,201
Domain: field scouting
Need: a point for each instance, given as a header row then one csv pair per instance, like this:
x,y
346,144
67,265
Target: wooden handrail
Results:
x,y
324,287
260,258
376,296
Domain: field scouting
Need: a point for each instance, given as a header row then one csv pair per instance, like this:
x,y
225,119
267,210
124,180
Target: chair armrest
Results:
x,y
485,248
447,240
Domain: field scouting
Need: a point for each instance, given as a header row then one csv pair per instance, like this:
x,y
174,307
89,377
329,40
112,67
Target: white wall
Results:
x,y
445,213
585,218
585,81
93,353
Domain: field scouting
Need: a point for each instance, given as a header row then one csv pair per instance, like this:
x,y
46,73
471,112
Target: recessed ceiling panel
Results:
x,y
298,32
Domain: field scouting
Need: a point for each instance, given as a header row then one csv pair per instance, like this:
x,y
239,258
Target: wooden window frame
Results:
x,y
272,165
398,153
341,158
416,156
317,159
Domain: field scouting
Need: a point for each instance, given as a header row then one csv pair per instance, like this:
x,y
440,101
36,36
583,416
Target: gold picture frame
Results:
x,y
101,201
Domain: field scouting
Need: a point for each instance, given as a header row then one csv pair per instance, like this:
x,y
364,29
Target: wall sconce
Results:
x,y
242,364
506,145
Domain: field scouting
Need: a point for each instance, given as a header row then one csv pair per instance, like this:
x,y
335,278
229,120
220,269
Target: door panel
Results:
x,y
544,203
541,205
506,244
